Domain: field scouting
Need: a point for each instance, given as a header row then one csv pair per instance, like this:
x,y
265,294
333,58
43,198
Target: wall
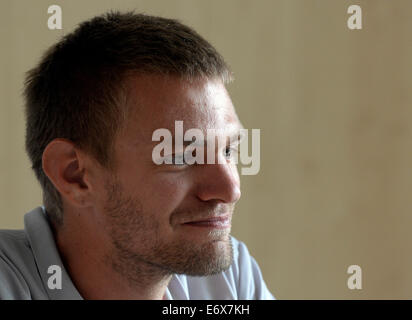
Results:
x,y
333,106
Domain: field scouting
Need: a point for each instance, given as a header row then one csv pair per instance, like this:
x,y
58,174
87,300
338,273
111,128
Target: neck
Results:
x,y
100,272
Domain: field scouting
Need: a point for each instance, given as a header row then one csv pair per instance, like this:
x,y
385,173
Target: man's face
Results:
x,y
173,218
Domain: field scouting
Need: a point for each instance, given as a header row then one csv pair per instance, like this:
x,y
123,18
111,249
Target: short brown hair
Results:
x,y
75,90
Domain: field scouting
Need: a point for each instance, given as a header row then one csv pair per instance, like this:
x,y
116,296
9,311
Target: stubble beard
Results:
x,y
141,255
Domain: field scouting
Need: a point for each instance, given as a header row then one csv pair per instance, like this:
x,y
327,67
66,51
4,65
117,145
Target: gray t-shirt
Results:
x,y
27,255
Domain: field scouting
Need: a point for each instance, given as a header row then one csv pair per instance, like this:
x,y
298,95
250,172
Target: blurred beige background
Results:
x,y
333,105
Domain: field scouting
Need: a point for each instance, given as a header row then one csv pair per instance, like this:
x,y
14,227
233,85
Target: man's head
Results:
x,y
93,103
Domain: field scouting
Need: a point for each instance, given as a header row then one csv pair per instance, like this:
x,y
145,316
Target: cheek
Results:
x,y
166,193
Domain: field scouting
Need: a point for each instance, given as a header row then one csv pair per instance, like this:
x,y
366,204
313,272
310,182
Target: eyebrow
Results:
x,y
234,138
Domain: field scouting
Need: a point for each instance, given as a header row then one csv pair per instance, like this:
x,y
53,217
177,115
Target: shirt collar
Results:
x,y
41,239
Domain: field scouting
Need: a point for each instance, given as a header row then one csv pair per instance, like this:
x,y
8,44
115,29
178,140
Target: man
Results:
x,y
116,225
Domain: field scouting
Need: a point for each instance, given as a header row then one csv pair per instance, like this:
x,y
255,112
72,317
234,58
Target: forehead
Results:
x,y
156,101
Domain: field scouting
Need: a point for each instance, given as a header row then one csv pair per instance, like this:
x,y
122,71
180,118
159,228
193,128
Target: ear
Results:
x,y
64,165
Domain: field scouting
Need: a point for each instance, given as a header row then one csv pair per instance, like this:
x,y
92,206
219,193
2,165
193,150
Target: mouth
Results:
x,y
221,222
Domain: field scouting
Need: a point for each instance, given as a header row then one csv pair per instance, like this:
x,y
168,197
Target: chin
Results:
x,y
210,258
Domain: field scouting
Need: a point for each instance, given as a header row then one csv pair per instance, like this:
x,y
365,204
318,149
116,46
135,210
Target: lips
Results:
x,y
220,222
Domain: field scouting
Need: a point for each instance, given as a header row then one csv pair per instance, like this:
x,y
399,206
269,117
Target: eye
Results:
x,y
230,152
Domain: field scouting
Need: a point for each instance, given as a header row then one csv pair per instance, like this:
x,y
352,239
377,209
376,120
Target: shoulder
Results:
x,y
13,248
18,271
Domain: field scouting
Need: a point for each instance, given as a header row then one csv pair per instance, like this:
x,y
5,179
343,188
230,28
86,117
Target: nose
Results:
x,y
219,182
